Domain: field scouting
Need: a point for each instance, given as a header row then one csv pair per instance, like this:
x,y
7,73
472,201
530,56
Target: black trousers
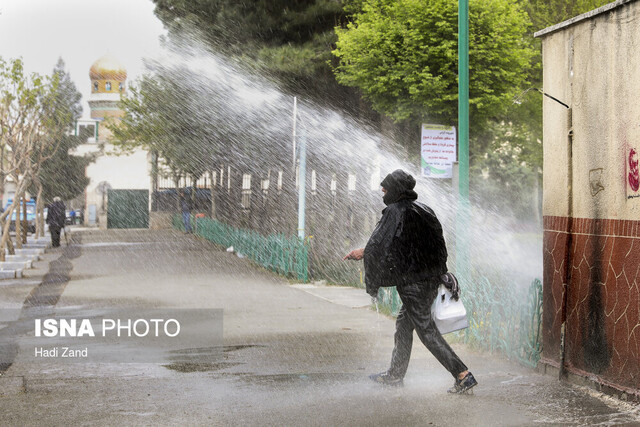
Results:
x,y
416,314
55,236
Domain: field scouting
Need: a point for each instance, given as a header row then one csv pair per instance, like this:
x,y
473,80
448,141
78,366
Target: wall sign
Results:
x,y
438,148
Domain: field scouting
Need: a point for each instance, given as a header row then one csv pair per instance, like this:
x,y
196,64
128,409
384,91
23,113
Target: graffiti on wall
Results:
x,y
633,175
595,181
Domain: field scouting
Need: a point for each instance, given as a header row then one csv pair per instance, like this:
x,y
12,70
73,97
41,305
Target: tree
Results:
x,y
160,116
56,172
402,55
289,41
36,116
511,165
23,113
545,13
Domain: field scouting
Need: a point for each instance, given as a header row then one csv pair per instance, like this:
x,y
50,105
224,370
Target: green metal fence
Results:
x,y
284,255
504,320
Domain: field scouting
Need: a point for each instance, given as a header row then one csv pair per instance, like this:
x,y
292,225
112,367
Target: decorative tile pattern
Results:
x,y
603,299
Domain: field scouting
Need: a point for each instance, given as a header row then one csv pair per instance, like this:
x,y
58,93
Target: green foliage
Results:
x,y
37,115
501,182
22,98
260,22
544,13
148,121
160,117
65,108
509,168
403,56
63,175
24,105
289,41
300,60
60,173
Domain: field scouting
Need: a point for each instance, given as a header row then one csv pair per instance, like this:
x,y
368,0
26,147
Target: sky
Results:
x,y
80,32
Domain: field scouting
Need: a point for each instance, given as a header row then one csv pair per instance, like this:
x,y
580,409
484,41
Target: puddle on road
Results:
x,y
186,367
84,276
204,359
299,378
107,244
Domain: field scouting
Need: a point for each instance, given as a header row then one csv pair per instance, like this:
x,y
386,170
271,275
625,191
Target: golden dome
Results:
x,y
108,68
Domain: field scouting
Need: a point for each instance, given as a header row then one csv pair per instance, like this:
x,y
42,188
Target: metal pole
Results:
x,y
302,190
295,119
462,245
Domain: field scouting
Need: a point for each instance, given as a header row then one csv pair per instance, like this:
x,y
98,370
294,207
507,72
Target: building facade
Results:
x,y
111,172
591,208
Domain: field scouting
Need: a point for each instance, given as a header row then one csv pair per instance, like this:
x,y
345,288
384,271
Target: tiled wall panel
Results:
x,y
603,297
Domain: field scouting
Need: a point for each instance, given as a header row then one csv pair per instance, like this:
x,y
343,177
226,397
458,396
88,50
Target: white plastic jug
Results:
x,y
448,313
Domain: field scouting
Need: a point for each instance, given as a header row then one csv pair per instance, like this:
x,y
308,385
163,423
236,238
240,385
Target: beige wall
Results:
x,y
593,66
591,260
130,171
121,172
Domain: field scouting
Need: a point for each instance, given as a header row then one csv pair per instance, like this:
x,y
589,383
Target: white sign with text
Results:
x,y
438,147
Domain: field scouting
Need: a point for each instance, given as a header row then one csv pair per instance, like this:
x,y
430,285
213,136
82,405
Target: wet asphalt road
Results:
x,y
287,358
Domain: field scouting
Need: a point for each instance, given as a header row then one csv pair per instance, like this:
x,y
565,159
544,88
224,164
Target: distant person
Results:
x,y
186,210
407,250
55,218
72,216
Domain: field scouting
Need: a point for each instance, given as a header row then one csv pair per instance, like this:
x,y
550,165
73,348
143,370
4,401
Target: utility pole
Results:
x,y
462,219
302,184
302,171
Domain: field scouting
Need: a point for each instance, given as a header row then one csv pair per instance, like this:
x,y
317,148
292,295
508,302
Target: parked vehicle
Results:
x,y
30,215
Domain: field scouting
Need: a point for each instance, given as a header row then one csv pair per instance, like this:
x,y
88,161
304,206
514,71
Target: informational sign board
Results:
x,y
438,147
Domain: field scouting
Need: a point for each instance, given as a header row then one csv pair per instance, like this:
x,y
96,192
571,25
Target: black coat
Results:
x,y
407,246
56,215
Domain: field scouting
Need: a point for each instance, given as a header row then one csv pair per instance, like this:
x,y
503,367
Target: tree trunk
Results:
x,y
18,221
39,211
10,247
5,241
2,174
25,222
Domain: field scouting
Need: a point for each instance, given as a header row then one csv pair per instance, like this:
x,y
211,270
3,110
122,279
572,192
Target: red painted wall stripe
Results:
x,y
603,301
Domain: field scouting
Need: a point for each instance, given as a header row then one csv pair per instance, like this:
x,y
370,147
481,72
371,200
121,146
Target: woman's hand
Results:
x,y
356,254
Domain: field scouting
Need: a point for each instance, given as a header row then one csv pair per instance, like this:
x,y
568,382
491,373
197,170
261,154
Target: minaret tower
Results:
x,y
108,83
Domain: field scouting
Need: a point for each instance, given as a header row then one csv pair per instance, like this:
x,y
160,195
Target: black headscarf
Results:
x,y
399,185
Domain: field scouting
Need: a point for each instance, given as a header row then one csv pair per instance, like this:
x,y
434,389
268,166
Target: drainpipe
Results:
x,y
568,258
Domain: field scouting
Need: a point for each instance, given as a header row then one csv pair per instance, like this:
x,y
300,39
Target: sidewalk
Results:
x,y
341,295
293,355
603,409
